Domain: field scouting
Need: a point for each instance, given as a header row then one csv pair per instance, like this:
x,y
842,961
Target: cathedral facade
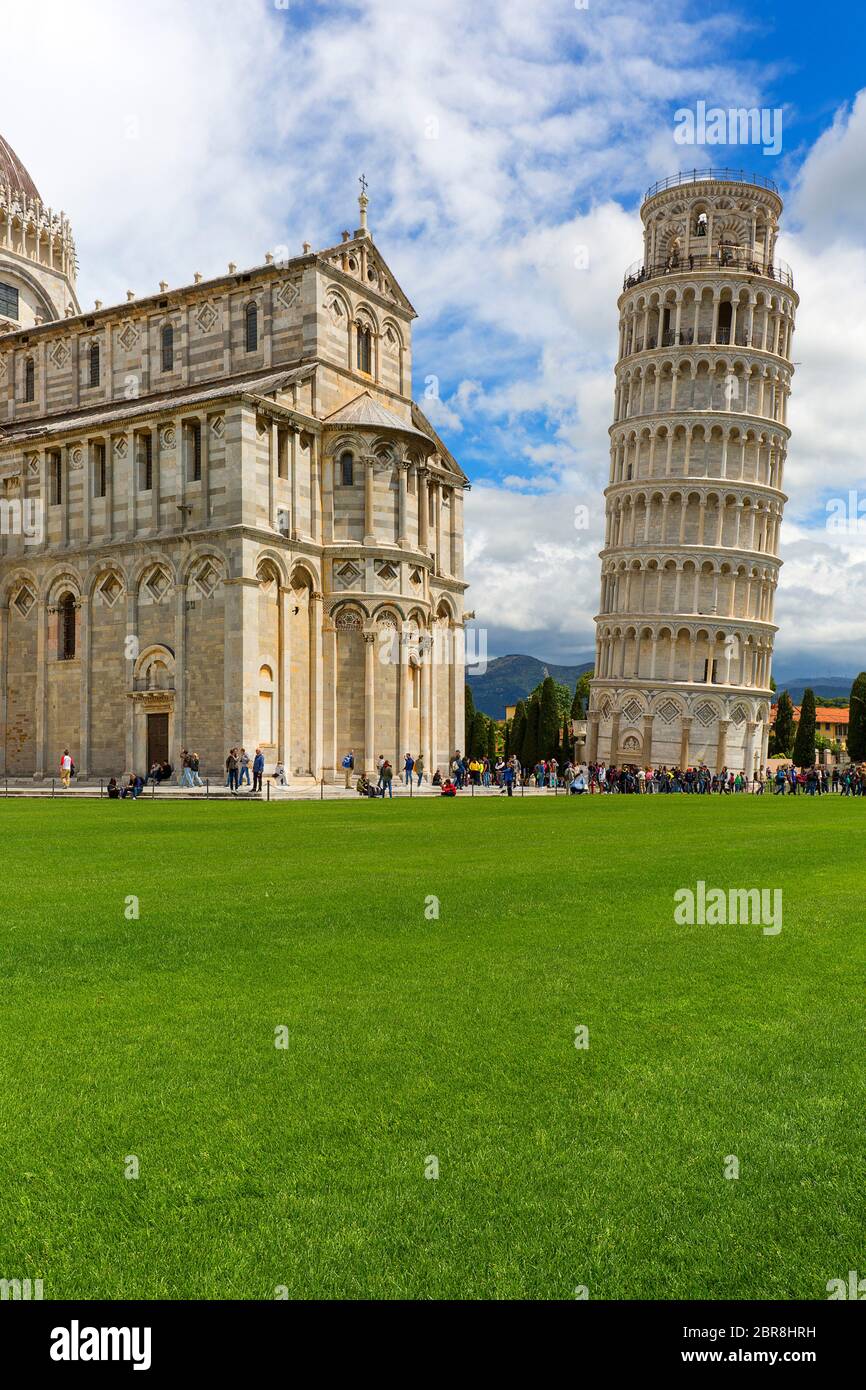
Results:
x,y
224,519
690,565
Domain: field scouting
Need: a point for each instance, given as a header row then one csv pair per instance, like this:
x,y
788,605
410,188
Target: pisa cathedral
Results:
x,y
225,521
684,633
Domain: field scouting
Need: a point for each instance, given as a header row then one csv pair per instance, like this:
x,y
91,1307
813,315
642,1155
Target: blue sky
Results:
x,y
507,146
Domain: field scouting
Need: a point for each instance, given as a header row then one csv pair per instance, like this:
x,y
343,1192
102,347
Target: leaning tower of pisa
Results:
x,y
684,633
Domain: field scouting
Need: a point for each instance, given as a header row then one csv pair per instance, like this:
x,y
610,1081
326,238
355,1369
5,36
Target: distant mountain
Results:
x,y
825,687
510,678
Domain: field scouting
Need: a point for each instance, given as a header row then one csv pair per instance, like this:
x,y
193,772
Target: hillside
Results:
x,y
510,678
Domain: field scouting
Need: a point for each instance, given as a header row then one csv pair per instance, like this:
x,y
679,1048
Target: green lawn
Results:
x,y
410,1038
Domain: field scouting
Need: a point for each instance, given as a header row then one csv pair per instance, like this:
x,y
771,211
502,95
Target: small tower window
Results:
x,y
168,348
56,480
29,380
100,471
66,628
347,470
252,328
365,348
94,364
146,462
195,451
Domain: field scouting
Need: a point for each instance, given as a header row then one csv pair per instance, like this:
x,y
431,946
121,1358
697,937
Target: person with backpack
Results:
x,y
349,766
67,768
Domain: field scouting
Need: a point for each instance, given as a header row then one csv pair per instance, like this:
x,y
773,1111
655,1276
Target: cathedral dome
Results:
x,y
12,171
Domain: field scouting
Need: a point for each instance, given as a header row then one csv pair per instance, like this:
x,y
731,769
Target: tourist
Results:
x,y
448,788
380,763
280,775
436,779
194,765
508,779
258,770
419,767
408,765
232,770
186,766
113,790
387,778
66,767
349,766
244,766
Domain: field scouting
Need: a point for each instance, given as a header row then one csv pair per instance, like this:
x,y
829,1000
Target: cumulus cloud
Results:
x,y
507,146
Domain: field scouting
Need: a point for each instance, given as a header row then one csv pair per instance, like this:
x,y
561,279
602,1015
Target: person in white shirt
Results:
x,y
65,767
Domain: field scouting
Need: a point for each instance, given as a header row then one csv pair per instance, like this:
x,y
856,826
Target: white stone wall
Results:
x,y
690,565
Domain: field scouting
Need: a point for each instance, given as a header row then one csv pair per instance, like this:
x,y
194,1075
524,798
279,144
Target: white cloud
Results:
x,y
499,138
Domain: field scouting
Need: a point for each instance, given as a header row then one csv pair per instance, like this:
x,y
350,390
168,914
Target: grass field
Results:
x,y
410,1037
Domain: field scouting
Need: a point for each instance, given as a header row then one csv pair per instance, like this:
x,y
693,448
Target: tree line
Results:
x,y
799,740
539,728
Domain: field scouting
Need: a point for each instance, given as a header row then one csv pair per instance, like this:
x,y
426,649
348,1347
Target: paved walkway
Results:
x,y
302,790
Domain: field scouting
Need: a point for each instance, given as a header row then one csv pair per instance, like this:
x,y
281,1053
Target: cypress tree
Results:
x,y
783,729
469,716
517,732
531,752
804,743
478,745
857,719
548,720
507,751
491,741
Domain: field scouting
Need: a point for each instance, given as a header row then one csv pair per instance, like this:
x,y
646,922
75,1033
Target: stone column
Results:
x,y
284,711
402,471
437,505
316,684
178,733
63,463
83,760
369,516
109,487
647,740
749,755
329,467
722,744
403,696
131,480
370,704
315,488
295,528
592,742
156,479
425,712
684,741
459,690
41,687
273,468
44,496
204,424
614,737
132,647
423,512
330,692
